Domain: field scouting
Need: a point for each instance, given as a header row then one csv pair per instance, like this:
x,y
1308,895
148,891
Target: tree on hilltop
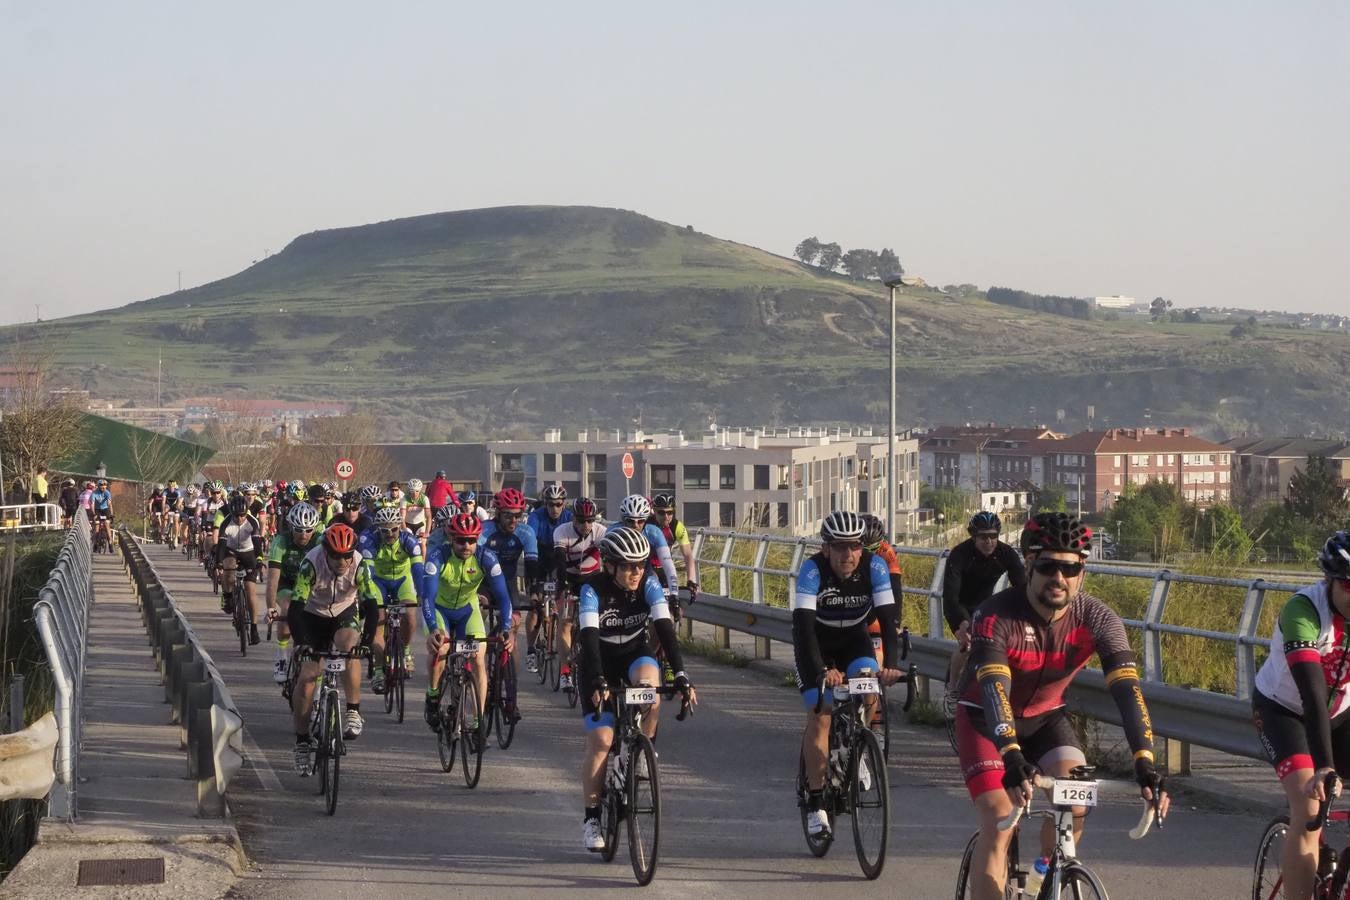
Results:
x,y
830,254
860,263
888,263
808,250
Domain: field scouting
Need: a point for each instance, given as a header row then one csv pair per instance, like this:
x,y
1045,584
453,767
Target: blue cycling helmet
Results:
x,y
984,521
468,497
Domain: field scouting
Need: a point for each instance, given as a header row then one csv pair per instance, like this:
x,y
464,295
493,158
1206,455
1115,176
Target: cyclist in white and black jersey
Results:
x,y
238,549
576,556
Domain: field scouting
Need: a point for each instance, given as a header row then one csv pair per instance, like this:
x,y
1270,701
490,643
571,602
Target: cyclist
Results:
x,y
838,590
238,550
576,556
324,612
174,520
468,503
370,500
86,499
1027,643
543,521
512,541
615,608
417,512
974,566
70,502
1301,706
455,574
101,501
353,515
154,510
440,494
397,566
283,564
676,535
636,511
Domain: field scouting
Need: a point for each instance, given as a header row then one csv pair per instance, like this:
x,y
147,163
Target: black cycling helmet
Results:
x,y
1056,532
874,532
351,500
1335,556
984,521
238,506
663,501
316,492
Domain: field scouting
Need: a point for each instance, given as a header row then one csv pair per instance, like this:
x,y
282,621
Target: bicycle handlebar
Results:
x,y
1151,809
1330,782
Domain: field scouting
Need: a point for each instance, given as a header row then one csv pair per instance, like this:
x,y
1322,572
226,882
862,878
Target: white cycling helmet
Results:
x,y
842,525
635,506
554,490
303,517
267,483
370,492
625,544
388,515
415,485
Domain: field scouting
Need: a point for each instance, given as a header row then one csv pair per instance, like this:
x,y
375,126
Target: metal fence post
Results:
x,y
722,634
1248,622
16,704
1153,667
757,592
935,618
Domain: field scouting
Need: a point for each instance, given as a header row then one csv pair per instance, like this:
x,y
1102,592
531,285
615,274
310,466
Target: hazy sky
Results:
x,y
1195,150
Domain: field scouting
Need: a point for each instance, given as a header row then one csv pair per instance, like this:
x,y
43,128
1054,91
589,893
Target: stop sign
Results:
x,y
345,468
628,468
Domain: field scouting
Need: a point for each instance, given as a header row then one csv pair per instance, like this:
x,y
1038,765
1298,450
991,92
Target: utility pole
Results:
x,y
893,282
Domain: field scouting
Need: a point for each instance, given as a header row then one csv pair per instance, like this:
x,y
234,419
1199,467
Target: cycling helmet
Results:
x,y
267,483
351,501
395,485
554,490
510,500
443,514
467,497
88,485
415,485
217,485
466,525
159,488
663,501
282,485
294,490
315,493
303,517
386,516
238,506
1335,556
103,482
584,508
635,506
874,532
440,473
370,492
1056,532
842,525
984,521
248,487
339,539
625,544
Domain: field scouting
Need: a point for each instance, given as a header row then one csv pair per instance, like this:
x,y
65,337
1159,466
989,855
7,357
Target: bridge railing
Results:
x,y
30,517
62,615
1185,714
210,725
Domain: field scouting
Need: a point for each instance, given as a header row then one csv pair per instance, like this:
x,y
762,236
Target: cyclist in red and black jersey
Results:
x,y
1027,644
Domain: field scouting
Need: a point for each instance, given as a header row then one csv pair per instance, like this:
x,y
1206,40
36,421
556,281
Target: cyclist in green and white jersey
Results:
x,y
397,566
283,563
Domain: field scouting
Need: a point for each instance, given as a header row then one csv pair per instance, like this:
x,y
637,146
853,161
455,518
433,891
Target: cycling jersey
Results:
x,y
417,510
543,528
676,535
1020,665
830,610
87,499
577,555
156,502
102,502
660,551
970,576
171,500
325,593
1309,630
451,583
285,554
511,547
394,559
238,537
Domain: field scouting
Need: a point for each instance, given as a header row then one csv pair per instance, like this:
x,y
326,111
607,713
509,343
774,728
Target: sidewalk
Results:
x,y
135,800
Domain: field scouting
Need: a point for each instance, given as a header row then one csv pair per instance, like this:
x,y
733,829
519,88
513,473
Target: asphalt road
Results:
x,y
730,824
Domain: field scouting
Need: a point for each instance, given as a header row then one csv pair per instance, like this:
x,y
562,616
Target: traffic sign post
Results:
x,y
628,470
345,469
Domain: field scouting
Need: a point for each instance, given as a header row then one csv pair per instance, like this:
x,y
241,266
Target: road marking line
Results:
x,y
266,774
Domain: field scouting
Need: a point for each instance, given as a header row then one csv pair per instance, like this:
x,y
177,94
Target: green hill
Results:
x,y
510,318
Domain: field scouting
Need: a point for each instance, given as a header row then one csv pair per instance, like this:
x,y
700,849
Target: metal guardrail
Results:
x,y
40,516
1207,718
62,615
211,728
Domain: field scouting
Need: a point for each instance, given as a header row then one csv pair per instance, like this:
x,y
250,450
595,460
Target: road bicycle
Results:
x,y
1067,876
856,783
459,725
241,613
631,790
103,535
543,648
1333,872
500,713
326,720
191,546
395,662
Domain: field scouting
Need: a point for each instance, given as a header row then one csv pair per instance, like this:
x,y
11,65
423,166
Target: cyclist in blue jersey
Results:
x,y
636,512
397,569
551,513
101,501
512,541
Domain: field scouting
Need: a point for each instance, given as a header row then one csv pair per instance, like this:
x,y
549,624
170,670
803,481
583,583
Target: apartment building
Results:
x,y
984,457
1095,466
1262,467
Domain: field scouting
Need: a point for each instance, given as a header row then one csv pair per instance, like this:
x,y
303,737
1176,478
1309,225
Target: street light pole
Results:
x,y
893,282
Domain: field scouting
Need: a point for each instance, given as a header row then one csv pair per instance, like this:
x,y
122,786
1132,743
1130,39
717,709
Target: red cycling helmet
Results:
x,y
584,508
339,539
466,525
510,500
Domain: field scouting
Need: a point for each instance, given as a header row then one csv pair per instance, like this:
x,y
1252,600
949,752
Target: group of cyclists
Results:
x,y
335,559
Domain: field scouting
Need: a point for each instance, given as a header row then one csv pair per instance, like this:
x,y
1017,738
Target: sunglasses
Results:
x,y
389,532
463,541
302,530
341,556
665,512
508,516
586,521
846,546
555,506
1051,566
987,536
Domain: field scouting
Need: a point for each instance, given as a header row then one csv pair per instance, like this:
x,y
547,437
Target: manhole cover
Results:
x,y
121,871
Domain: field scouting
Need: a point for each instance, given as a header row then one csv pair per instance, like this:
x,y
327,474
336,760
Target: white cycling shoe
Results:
x,y
817,822
592,838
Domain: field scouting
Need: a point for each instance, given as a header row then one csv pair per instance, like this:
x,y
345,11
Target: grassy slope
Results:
x,y
369,311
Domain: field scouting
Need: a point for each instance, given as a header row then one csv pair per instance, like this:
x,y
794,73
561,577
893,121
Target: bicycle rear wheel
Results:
x,y
447,737
543,644
611,811
400,685
817,844
1078,882
644,808
332,716
493,662
505,692
870,799
1267,879
472,738
393,655
555,656
239,625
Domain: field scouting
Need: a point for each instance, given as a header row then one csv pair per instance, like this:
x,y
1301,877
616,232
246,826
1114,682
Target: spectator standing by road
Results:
x,y
440,493
40,485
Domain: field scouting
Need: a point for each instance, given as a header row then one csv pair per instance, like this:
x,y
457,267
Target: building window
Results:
x,y
1116,461
782,515
862,502
551,462
696,478
571,462
599,488
596,461
509,462
760,513
726,478
663,478
848,467
696,514
761,478
726,516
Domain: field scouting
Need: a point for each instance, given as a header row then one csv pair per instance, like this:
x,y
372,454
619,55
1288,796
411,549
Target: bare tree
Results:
x,y
331,438
38,428
250,449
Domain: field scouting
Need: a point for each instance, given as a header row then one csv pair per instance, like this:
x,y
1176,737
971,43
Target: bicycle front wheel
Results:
x,y
611,811
471,735
964,891
240,623
446,736
1267,879
503,710
399,686
870,798
644,808
1077,882
332,717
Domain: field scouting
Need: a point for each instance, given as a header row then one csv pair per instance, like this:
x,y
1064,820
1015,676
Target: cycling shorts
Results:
x,y
461,623
244,559
1045,739
847,649
317,632
1285,740
620,670
395,590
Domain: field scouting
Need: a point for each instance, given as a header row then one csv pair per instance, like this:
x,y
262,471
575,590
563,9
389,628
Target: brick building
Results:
x,y
1095,466
1262,467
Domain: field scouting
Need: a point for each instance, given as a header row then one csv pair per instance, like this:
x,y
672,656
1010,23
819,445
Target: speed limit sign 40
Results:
x,y
345,469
